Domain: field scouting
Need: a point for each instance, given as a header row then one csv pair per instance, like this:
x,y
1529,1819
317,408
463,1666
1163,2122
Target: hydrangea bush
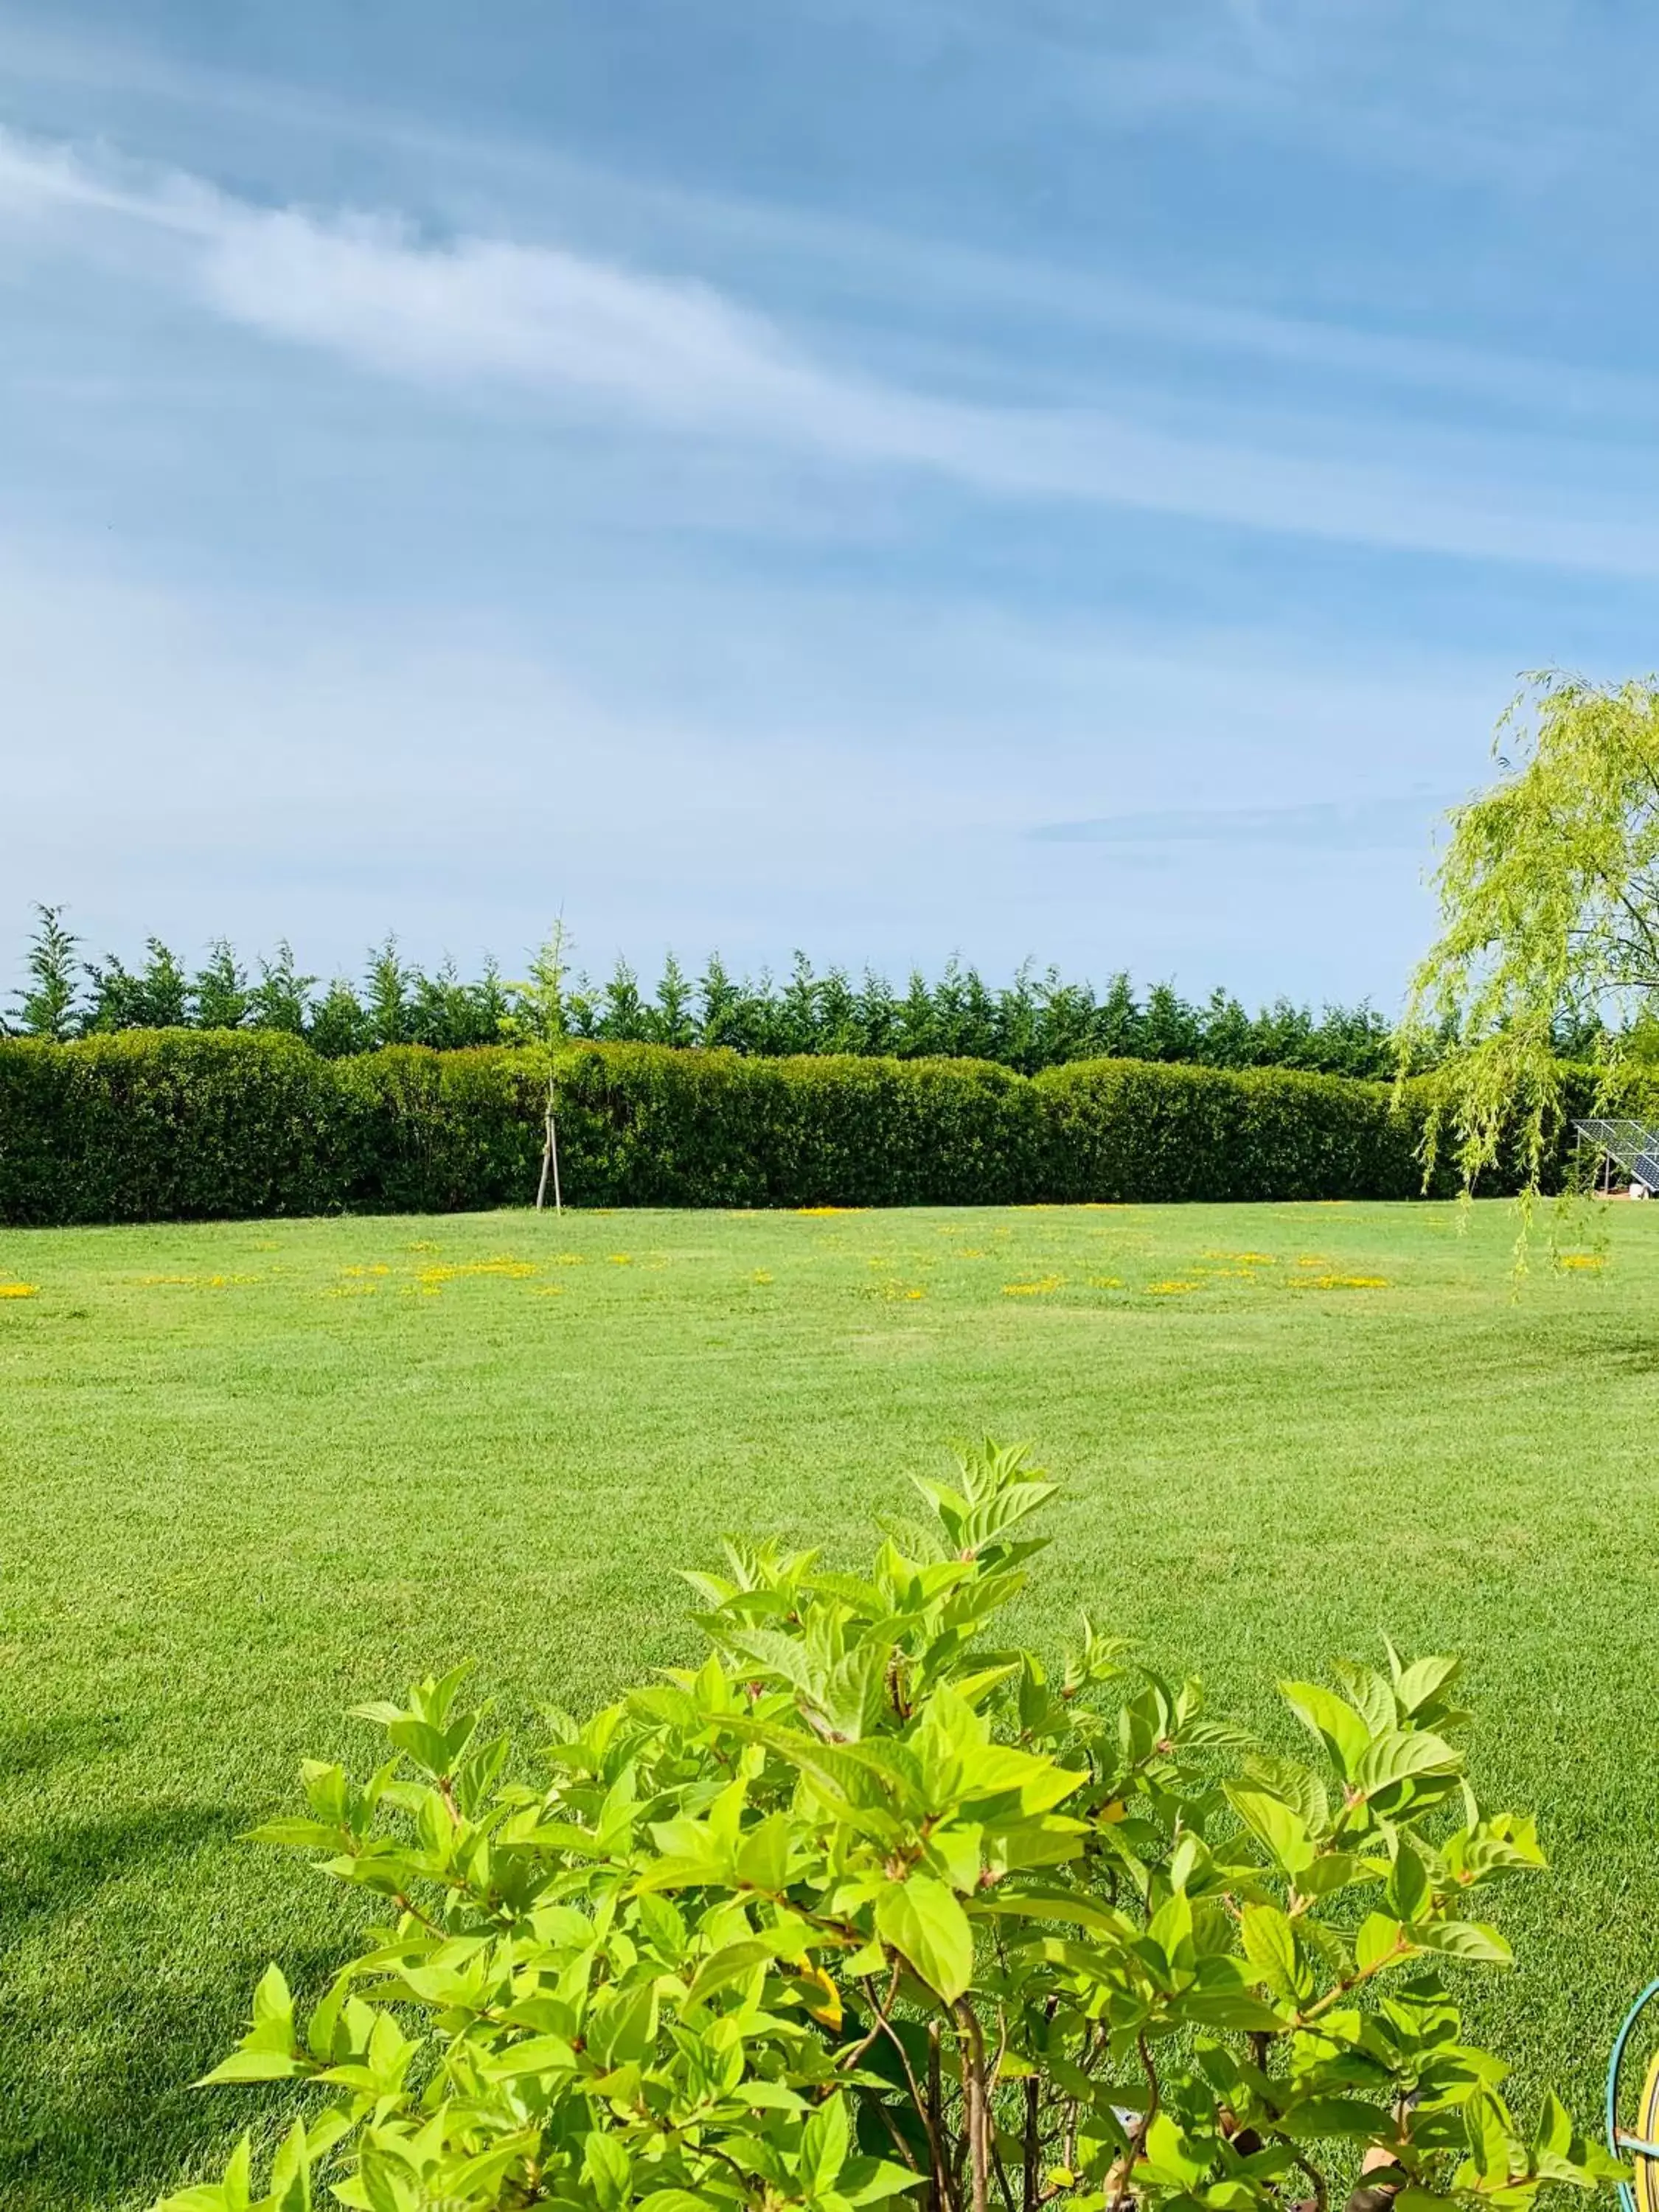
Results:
x,y
874,1905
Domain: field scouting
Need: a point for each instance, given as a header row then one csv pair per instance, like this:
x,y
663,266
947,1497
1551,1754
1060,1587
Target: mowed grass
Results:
x,y
257,1473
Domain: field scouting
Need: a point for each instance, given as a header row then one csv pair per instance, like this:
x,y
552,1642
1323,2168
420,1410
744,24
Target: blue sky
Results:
x,y
1060,478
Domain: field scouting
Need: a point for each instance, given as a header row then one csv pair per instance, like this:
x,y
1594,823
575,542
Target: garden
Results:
x,y
263,1472
1049,1629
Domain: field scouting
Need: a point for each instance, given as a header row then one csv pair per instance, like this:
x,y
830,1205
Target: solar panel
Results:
x,y
1631,1146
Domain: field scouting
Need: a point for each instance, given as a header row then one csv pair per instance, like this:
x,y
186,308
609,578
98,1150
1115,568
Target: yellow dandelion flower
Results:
x,y
452,1272
19,1290
1038,1289
1583,1260
1172,1288
1343,1283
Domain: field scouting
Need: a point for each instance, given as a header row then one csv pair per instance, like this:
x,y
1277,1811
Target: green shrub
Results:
x,y
1129,1131
873,1905
163,1124
173,1124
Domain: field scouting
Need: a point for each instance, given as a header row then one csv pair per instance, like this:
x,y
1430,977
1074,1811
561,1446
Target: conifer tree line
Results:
x,y
1036,1021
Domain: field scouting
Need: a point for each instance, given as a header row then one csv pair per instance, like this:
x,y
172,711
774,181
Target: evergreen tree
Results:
x,y
152,997
280,999
1066,1022
1117,1026
1226,1036
385,997
338,1025
219,991
717,997
797,1020
1015,1024
1169,1028
918,1021
879,1015
671,1020
489,1003
840,1016
50,1007
622,1019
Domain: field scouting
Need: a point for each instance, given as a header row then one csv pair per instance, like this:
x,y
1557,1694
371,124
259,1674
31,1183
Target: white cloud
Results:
x,y
473,314
325,774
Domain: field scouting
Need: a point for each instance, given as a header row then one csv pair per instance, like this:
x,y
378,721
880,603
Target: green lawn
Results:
x,y
256,1472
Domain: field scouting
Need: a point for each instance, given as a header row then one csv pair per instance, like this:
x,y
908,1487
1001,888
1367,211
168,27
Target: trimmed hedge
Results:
x,y
181,1125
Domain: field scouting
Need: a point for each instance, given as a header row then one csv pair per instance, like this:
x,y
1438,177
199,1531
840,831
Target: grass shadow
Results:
x,y
124,2124
99,2047
29,1749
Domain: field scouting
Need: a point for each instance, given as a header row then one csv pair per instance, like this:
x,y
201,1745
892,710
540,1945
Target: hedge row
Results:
x,y
180,1125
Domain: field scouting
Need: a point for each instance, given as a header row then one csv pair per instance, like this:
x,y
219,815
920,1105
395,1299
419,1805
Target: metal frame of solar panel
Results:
x,y
1631,1146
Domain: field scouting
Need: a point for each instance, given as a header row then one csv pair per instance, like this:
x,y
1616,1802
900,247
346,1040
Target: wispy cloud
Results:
x,y
1385,824
886,261
474,314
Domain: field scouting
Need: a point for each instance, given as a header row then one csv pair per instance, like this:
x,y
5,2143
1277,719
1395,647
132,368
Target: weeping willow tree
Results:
x,y
1549,909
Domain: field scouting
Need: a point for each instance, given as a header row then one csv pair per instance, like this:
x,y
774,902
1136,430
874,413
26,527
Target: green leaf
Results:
x,y
922,1921
290,2172
536,2054
1372,1696
774,1653
1403,1755
254,2066
873,2180
1488,2136
296,1835
1283,1831
1331,1871
1379,1940
1299,1786
1329,1717
608,2169
1171,1930
1231,2008
733,1962
427,1745
1336,2116
1472,1941
854,1698
387,2182
481,2175
1554,2128
1167,2157
1408,1884
763,1855
824,2142
1269,1943
1423,1679
627,2027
